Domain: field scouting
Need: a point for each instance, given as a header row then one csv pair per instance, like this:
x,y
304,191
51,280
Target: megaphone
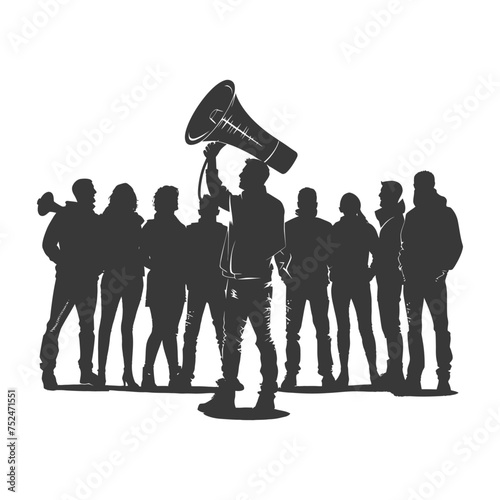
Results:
x,y
221,118
47,204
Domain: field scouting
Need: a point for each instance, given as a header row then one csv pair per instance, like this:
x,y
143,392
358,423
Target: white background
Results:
x,y
350,119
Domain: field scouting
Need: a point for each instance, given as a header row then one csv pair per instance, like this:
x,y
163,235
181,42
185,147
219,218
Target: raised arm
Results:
x,y
217,191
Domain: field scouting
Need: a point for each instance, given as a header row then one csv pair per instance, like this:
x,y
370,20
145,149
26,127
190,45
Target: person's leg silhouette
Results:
x,y
341,298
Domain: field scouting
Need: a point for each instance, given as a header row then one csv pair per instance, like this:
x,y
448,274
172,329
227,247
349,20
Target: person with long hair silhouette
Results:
x,y
307,265
430,247
163,245
355,240
255,235
390,280
123,275
205,282
71,242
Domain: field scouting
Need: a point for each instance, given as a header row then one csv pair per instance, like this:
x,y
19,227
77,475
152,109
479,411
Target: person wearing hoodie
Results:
x,y
71,242
306,263
355,239
390,281
123,275
430,247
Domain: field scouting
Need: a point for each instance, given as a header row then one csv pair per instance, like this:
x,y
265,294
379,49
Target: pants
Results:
x,y
435,296
69,291
166,319
295,305
130,294
389,296
198,298
249,300
343,292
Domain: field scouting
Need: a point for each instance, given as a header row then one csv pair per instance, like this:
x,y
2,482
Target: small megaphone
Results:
x,y
47,204
221,118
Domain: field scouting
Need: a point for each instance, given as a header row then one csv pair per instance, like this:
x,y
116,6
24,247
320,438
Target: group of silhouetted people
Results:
x,y
229,269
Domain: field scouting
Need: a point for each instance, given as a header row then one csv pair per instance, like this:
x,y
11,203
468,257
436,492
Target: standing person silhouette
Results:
x,y
71,242
307,266
431,246
123,275
205,282
255,235
390,280
350,275
163,245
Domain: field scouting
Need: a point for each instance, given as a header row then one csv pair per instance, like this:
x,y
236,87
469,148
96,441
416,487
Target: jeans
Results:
x,y
435,295
249,300
198,298
295,305
69,291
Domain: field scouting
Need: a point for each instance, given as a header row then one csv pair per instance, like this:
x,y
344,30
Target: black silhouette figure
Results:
x,y
205,282
431,246
123,275
71,242
350,275
255,235
307,264
163,245
390,280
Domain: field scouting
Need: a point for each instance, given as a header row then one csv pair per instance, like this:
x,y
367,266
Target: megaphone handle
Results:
x,y
203,169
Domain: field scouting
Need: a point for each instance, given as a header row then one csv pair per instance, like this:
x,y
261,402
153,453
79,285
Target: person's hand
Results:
x,y
212,150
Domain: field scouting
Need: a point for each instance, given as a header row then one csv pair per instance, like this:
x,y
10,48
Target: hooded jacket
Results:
x,y
430,239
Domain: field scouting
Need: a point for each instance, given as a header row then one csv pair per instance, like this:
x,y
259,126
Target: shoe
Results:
x,y
148,379
238,386
412,386
89,377
289,383
128,379
265,403
222,402
343,379
101,378
444,387
49,380
182,382
329,382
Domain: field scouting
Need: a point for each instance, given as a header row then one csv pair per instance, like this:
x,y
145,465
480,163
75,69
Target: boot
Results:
x,y
128,379
412,386
443,387
222,401
148,378
89,377
265,403
289,383
101,378
328,381
343,379
49,380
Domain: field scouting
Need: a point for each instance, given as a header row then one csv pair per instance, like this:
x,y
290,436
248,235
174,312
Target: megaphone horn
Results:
x,y
47,204
220,117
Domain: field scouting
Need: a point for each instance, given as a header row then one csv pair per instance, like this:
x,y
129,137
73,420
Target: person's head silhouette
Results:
x,y
390,193
208,209
122,199
84,192
350,205
307,202
424,180
254,174
166,200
